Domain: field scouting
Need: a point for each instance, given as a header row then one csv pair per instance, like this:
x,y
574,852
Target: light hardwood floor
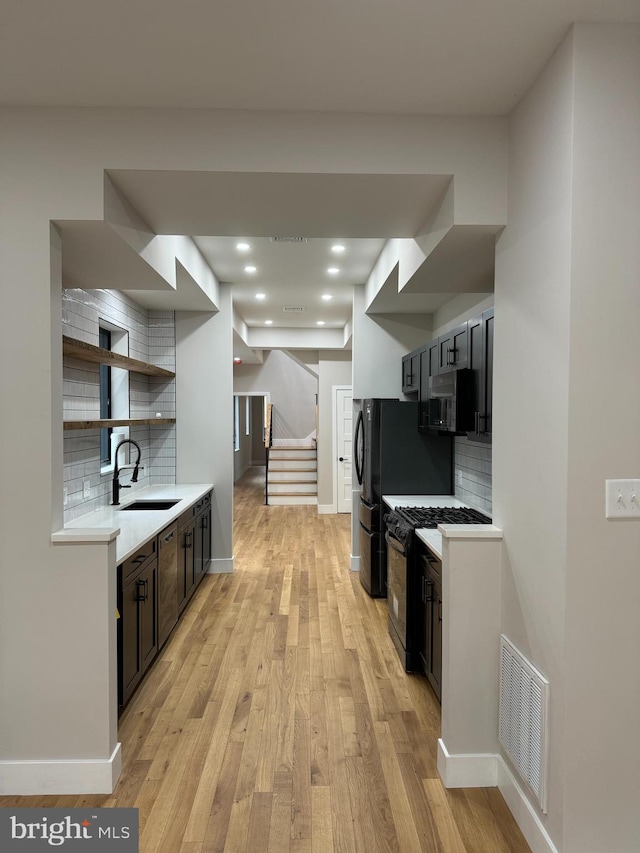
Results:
x,y
278,719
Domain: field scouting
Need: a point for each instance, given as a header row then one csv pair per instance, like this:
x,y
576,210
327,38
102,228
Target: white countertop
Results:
x,y
433,538
131,529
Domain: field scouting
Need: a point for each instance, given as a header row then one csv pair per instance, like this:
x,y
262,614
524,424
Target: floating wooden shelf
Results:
x,y
97,355
116,422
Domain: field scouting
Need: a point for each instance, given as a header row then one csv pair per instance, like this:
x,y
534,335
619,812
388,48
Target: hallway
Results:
x,y
278,718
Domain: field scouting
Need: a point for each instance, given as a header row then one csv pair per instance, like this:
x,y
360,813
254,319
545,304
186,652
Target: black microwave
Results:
x,y
449,406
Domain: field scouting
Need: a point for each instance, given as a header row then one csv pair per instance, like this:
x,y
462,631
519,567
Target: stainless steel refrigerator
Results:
x,y
393,458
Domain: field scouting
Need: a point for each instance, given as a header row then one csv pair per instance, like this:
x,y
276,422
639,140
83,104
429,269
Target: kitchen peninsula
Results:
x,y
470,556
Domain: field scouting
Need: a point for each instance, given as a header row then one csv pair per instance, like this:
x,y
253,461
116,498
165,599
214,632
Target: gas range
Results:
x,y
403,520
432,516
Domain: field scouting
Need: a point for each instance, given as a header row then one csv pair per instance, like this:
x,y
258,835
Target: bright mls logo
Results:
x,y
26,830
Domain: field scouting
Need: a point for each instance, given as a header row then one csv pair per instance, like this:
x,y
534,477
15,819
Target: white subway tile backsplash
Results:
x,y
151,336
473,474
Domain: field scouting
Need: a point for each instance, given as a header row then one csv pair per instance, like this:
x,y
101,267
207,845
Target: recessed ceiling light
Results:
x,y
242,246
333,270
261,295
250,268
338,248
319,322
327,296
268,322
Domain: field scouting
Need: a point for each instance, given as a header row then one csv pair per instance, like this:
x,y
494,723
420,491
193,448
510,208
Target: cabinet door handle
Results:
x,y
187,540
439,610
428,588
141,558
169,537
142,590
205,522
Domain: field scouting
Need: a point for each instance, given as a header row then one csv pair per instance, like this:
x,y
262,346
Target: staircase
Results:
x,y
293,475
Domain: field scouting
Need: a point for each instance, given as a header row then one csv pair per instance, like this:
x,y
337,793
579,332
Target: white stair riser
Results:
x,y
281,453
310,488
292,464
292,474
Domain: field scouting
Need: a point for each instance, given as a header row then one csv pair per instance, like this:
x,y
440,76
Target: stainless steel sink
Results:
x,y
150,504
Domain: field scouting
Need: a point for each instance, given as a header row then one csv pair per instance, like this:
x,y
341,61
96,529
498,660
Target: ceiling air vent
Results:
x,y
293,309
289,239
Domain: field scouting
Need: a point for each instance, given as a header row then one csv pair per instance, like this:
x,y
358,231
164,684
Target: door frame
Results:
x,y
334,440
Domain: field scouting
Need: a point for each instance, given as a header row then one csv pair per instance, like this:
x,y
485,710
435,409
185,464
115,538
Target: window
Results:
x,y
114,394
105,400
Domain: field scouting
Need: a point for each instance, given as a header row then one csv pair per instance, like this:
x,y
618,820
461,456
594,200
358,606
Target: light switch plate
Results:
x,y
86,489
622,498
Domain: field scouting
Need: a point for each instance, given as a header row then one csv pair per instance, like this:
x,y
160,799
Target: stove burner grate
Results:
x,y
431,517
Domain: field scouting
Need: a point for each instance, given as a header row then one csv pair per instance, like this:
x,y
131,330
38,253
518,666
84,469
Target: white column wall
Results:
x,y
204,415
531,386
602,731
568,306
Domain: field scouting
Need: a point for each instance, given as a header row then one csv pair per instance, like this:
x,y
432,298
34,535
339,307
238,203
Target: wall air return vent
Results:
x,y
523,718
293,309
289,239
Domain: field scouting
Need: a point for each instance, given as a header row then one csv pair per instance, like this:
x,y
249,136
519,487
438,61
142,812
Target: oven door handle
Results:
x,y
393,543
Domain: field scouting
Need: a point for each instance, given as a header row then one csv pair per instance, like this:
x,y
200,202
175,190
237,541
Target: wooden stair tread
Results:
x,y
292,447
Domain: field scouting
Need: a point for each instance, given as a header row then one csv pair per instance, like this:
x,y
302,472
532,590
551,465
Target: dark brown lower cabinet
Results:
x,y
202,541
137,627
186,559
167,582
154,586
430,647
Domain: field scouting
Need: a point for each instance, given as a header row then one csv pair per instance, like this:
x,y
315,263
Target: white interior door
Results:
x,y
343,409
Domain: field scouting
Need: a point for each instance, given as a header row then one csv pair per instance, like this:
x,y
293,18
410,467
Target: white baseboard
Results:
x,y
478,770
327,509
221,566
490,771
87,776
524,813
355,564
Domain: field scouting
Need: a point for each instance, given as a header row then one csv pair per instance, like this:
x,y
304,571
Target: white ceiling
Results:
x,y
292,275
461,57
454,57
218,209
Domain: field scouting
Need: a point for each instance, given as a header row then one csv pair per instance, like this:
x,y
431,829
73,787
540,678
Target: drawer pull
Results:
x,y
142,590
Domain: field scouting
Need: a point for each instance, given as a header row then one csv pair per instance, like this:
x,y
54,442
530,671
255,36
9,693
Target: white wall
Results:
x,y
379,342
204,409
292,392
567,298
602,778
531,384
